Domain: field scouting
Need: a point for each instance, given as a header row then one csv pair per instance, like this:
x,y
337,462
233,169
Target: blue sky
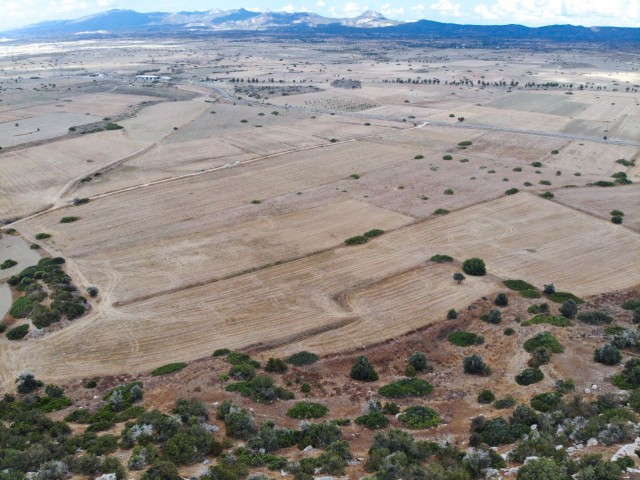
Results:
x,y
16,13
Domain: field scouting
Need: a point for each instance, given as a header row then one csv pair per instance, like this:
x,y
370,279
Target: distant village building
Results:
x,y
147,78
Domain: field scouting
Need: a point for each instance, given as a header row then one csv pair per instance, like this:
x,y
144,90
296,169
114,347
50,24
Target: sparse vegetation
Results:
x,y
465,339
169,368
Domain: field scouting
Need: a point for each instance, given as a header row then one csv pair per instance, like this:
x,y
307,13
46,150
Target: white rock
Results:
x,y
491,473
534,427
626,450
587,390
206,461
579,446
570,450
107,476
592,442
594,387
308,448
529,459
559,447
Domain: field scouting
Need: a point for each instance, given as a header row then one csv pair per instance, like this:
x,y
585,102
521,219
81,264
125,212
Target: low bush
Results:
x,y
596,317
376,232
447,157
529,376
42,236
221,352
418,360
554,320
276,365
530,294
373,420
440,211
236,358
8,264
357,240
475,365
306,410
545,402
631,305
18,333
617,219
441,258
407,387
474,266
169,368
465,339
363,370
607,354
260,389
518,285
509,331
506,402
22,307
494,317
561,297
486,397
568,309
420,417
452,314
544,339
547,195
302,358
69,219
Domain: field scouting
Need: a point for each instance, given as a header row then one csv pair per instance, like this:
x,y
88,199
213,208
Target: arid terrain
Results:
x,y
210,210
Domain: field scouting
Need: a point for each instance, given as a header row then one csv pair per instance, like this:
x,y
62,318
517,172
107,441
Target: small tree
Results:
x,y
549,289
501,300
419,361
607,354
276,365
475,365
494,317
363,370
569,309
54,391
452,314
458,277
27,383
474,266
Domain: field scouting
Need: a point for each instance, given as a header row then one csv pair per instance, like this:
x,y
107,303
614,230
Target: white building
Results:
x,y
147,78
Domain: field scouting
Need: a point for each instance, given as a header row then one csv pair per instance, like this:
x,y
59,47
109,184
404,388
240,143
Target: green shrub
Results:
x,y
617,219
547,195
441,258
509,331
604,183
554,320
244,371
260,389
255,201
302,358
511,191
518,285
545,402
465,339
441,211
465,143
420,417
8,264
407,387
544,182
506,402
221,352
113,126
452,314
418,360
3,328
18,333
373,420
236,358
494,317
448,191
631,305
596,317
543,339
501,300
276,365
22,307
536,164
530,294
357,240
607,354
69,219
475,365
376,232
561,297
169,368
474,266
569,309
554,152
42,236
447,157
363,370
486,397
529,376
306,410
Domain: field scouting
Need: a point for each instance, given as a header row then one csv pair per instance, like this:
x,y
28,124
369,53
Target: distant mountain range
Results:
x,y
128,23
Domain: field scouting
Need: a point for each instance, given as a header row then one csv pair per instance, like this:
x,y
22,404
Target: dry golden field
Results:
x,y
218,218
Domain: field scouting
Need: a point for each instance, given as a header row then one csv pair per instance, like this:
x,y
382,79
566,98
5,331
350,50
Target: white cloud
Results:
x,y
387,10
320,3
418,8
446,8
63,6
104,3
288,8
354,9
543,12
253,9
